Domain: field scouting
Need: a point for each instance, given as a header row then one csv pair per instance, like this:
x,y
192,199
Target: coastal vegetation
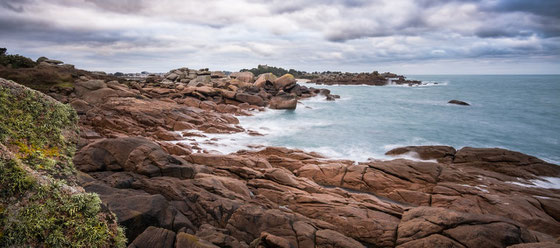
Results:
x,y
41,74
277,71
41,204
15,60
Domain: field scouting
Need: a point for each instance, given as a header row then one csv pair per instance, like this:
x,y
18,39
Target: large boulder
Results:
x,y
507,162
285,82
185,240
202,80
97,91
89,85
136,209
172,76
457,229
250,99
265,80
245,76
217,74
283,102
154,237
135,154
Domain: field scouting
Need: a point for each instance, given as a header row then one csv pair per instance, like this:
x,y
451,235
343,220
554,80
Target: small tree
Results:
x,y
3,51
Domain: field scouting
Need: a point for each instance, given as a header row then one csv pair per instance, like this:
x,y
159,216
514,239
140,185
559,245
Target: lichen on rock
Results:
x,y
41,204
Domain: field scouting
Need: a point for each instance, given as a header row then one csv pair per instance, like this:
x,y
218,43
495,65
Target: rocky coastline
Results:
x,y
375,78
174,194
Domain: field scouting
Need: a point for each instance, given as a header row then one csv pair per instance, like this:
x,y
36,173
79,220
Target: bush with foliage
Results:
x,y
15,61
40,202
278,71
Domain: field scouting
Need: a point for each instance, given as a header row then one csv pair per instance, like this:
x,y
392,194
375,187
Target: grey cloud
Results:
x,y
532,18
119,6
352,33
40,31
13,5
291,6
333,32
43,32
537,7
501,31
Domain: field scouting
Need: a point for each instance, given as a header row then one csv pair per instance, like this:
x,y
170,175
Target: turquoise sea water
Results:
x,y
516,112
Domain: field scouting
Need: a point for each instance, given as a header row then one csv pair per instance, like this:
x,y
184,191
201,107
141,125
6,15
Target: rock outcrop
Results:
x,y
172,193
457,102
339,78
138,149
283,102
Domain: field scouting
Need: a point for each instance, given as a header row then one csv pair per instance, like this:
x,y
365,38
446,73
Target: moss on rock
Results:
x,y
40,202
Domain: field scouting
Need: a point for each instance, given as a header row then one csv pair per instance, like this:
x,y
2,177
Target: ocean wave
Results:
x,y
281,126
359,154
424,84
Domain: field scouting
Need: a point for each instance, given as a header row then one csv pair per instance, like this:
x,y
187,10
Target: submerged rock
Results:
x,y
457,102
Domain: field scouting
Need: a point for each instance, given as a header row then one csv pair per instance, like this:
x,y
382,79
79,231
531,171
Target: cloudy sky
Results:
x,y
403,36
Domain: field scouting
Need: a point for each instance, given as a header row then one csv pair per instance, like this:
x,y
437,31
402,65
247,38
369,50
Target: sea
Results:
x,y
515,112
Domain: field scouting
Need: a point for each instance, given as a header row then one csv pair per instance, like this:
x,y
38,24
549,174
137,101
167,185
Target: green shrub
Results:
x,y
17,61
30,120
37,208
277,71
49,216
14,180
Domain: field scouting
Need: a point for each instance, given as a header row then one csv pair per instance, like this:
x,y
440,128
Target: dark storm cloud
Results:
x,y
498,32
538,7
11,28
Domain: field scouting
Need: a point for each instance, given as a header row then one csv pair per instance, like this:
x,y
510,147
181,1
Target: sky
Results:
x,y
402,36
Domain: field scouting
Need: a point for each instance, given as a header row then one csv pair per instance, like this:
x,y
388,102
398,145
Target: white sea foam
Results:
x,y
223,143
414,141
414,156
423,84
351,153
368,121
280,126
360,154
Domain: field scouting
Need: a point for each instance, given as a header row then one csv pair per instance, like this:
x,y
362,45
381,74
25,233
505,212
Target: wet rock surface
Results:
x,y
174,194
458,102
